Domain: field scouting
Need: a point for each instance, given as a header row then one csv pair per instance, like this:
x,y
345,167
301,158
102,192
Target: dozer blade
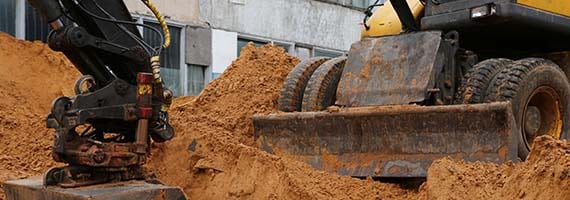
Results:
x,y
390,141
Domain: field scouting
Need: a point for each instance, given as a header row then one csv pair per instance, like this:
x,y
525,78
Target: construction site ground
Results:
x,y
214,156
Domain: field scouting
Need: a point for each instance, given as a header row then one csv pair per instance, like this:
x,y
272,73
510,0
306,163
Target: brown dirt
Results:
x,y
213,155
545,175
32,76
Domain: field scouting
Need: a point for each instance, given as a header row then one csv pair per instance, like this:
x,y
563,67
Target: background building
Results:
x,y
207,35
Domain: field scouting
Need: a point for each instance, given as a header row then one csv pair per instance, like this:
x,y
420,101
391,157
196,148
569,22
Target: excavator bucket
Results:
x,y
390,141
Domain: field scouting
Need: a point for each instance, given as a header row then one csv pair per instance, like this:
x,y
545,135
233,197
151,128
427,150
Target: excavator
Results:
x,y
474,80
103,133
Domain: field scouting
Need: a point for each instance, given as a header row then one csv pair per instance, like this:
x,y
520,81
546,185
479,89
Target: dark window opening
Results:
x,y
243,42
196,79
8,16
169,58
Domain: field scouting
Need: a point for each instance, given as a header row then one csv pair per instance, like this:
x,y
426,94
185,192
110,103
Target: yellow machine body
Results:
x,y
385,21
561,7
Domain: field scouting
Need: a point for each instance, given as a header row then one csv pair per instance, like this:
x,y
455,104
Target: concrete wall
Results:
x,y
300,21
179,10
198,46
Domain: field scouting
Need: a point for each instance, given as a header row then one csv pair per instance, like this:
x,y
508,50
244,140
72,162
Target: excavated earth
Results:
x,y
31,76
213,155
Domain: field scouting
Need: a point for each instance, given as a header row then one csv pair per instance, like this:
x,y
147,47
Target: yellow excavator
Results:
x,y
476,80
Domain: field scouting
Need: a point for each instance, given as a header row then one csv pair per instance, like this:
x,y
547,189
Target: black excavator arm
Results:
x,y
405,15
104,131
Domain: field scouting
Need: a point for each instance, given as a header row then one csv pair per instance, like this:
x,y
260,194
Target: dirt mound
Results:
x,y
250,85
212,156
545,175
32,76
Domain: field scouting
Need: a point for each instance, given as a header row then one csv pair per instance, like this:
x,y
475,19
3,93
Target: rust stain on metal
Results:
x,y
365,72
395,170
390,141
385,75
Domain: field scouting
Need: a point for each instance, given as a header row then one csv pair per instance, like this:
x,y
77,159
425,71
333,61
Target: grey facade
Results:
x,y
307,22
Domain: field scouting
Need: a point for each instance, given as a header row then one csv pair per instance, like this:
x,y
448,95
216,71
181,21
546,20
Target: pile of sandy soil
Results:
x,y
545,175
32,76
213,155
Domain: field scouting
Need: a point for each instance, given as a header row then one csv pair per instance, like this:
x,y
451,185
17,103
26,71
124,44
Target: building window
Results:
x,y
303,53
285,46
364,3
169,58
36,28
216,75
327,53
359,3
196,79
242,42
8,16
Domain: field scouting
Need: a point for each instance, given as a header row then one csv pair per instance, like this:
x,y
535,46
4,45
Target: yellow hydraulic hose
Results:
x,y
161,20
155,64
155,60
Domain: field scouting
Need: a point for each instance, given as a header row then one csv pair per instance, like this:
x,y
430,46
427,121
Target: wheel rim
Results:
x,y
542,115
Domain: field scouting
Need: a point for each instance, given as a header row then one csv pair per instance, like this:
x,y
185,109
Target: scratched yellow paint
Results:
x,y
561,7
145,89
385,21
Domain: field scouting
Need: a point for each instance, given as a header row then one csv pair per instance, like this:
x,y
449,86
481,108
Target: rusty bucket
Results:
x,y
390,141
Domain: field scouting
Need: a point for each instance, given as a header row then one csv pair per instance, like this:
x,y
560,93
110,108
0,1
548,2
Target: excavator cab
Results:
x,y
472,80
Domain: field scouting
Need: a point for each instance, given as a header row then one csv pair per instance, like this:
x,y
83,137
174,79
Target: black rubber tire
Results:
x,y
321,89
291,95
476,81
520,83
